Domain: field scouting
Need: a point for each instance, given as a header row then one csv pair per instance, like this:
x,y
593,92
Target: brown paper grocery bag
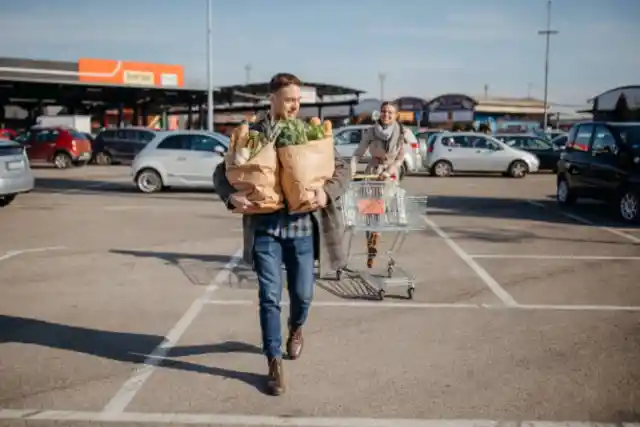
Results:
x,y
305,168
259,180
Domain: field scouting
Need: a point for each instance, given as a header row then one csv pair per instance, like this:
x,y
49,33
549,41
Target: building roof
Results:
x,y
322,89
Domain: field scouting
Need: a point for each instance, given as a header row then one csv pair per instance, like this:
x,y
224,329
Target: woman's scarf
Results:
x,y
389,134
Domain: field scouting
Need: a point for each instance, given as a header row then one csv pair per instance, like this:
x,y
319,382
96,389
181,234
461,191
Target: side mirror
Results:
x,y
219,149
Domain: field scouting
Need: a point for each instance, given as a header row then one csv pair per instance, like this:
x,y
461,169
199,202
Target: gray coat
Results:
x,y
328,241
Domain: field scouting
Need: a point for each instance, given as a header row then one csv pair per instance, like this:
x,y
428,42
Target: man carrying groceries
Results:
x,y
295,240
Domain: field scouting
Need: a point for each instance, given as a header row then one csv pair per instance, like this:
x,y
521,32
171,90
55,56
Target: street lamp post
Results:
x,y
547,33
382,77
209,67
247,71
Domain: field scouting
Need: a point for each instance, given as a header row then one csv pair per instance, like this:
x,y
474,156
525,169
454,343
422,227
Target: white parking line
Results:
x,y
130,388
429,305
498,290
589,222
11,254
558,257
273,421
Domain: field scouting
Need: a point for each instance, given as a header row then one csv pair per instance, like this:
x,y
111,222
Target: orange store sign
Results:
x,y
130,73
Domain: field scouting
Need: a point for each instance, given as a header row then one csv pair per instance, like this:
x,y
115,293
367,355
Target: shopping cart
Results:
x,y
372,205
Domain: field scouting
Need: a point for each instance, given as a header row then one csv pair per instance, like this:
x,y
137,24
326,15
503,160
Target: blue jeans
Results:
x,y
297,254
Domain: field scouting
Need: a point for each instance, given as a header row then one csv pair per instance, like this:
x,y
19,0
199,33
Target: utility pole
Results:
x,y
247,71
209,66
547,33
382,77
529,86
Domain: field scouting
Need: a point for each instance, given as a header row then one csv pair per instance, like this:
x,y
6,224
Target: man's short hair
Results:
x,y
282,80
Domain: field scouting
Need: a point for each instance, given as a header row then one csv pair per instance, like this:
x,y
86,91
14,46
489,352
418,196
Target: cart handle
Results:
x,y
367,177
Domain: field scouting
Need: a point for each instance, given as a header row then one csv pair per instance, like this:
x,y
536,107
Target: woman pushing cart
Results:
x,y
385,141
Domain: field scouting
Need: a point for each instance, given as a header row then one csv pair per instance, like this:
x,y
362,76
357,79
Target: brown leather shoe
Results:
x,y
275,382
295,343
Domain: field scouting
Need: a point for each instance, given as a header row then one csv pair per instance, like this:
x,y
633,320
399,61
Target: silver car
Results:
x,y
15,172
179,158
476,152
347,139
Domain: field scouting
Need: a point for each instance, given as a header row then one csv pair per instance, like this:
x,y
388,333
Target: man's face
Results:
x,y
285,103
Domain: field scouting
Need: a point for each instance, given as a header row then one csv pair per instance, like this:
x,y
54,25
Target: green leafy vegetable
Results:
x,y
296,132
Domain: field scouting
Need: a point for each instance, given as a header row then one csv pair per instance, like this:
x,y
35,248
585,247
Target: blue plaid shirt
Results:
x,y
285,225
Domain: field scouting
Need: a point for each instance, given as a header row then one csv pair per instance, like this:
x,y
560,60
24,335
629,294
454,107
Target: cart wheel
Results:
x,y
410,292
381,294
338,275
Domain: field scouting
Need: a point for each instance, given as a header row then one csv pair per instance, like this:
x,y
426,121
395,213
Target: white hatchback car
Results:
x,y
180,158
449,152
15,172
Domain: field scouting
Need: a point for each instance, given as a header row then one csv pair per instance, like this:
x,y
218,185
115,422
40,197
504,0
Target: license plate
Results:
x,y
14,166
85,155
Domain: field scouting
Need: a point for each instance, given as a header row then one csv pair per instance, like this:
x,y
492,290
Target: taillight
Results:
x,y
414,145
430,149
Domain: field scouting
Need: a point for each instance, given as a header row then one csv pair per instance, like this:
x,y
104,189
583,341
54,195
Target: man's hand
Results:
x,y
240,201
320,199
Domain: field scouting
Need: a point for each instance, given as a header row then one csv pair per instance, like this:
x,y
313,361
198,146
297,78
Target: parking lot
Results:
x,y
119,307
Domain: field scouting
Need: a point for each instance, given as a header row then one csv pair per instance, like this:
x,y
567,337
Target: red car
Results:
x,y
7,133
62,146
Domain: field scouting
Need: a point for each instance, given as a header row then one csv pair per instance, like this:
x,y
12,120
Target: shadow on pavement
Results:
x,y
240,276
353,286
122,346
518,209
76,187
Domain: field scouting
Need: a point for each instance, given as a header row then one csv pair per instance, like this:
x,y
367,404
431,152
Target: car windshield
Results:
x,y
630,133
224,139
77,135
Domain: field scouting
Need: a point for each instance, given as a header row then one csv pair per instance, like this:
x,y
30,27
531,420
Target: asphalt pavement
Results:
x,y
125,309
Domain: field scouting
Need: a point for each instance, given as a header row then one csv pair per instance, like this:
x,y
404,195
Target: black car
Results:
x,y
602,161
560,141
546,152
120,145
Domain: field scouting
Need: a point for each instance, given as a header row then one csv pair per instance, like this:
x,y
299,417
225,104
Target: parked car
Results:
x,y
547,153
423,144
348,138
477,152
179,158
60,145
560,141
8,133
15,172
602,161
112,146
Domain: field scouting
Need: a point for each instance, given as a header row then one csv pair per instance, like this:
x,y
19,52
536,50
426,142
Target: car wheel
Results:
x,y
518,169
6,200
442,169
564,194
104,159
62,161
149,181
629,205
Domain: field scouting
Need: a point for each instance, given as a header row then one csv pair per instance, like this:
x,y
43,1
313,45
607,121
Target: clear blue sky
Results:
x,y
426,47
